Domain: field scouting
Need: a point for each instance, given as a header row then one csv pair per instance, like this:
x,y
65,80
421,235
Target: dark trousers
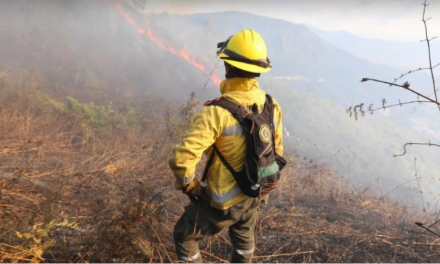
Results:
x,y
201,220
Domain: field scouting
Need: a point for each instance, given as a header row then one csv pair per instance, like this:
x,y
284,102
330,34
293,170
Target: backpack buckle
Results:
x,y
255,187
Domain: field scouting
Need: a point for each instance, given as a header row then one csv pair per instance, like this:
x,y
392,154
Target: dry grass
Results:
x,y
333,223
67,196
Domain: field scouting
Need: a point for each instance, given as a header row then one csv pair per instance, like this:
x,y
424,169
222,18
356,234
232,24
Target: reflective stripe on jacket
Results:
x,y
217,125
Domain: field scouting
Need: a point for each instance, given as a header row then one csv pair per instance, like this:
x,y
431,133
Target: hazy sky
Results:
x,y
383,19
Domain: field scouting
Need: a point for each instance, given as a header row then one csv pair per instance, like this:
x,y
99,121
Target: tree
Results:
x,y
422,98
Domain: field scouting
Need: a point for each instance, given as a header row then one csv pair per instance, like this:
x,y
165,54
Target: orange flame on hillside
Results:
x,y
146,31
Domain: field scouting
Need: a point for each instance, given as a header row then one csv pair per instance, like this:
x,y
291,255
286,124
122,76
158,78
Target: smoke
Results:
x,y
147,31
93,50
87,46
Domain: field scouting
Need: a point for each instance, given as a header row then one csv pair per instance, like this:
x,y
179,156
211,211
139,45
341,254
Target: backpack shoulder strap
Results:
x,y
208,165
238,111
269,107
226,163
215,151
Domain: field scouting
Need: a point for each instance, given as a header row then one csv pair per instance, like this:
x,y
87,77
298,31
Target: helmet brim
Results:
x,y
244,66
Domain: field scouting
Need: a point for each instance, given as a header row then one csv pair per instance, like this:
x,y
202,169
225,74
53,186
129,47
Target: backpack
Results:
x,y
262,167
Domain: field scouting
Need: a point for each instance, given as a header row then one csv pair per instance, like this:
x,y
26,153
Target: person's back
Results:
x,y
222,203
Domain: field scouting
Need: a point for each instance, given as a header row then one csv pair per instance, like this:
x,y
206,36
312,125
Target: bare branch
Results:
x,y
210,75
354,109
418,185
427,229
371,110
420,144
415,70
357,108
429,53
406,86
428,40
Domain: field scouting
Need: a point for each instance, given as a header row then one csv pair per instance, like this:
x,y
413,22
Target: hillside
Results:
x,y
111,58
315,83
293,49
90,183
361,150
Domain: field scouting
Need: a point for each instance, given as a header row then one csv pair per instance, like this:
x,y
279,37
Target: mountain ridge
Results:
x,y
292,48
404,55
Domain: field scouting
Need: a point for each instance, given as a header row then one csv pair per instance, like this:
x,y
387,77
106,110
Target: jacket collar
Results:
x,y
238,84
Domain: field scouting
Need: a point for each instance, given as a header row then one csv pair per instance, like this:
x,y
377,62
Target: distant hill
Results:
x,y
95,36
293,49
404,55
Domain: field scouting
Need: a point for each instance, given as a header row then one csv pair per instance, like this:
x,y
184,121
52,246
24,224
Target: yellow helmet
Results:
x,y
245,50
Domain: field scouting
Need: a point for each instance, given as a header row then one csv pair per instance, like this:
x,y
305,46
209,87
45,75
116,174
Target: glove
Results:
x,y
192,187
195,191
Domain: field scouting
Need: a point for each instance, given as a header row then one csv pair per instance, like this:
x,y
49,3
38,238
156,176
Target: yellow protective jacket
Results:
x,y
217,125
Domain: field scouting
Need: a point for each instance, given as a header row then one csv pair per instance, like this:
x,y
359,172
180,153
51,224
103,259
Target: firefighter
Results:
x,y
222,204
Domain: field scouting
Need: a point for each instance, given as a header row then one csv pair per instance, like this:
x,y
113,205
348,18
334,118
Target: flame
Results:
x,y
215,79
148,32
